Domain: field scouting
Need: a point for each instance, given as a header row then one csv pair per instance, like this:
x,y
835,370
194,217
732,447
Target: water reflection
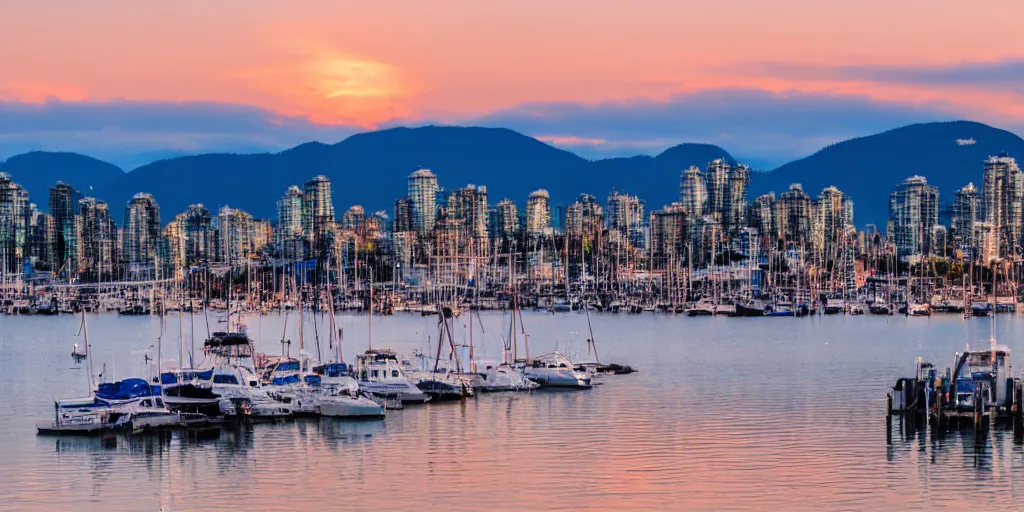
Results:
x,y
726,413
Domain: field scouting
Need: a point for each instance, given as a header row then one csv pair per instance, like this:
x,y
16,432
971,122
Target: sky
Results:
x,y
130,82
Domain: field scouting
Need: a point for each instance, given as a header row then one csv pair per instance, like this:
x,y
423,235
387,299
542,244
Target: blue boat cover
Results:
x,y
312,380
333,369
172,377
281,381
124,390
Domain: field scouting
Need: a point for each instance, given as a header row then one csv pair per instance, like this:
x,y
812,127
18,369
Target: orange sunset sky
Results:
x,y
768,80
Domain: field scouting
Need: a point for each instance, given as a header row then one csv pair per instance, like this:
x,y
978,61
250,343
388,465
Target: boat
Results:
x,y
502,377
878,307
749,308
190,391
381,375
78,355
979,308
919,309
834,307
131,405
554,370
338,395
985,374
702,307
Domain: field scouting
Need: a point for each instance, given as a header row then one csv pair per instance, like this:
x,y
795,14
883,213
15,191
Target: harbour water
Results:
x,y
725,414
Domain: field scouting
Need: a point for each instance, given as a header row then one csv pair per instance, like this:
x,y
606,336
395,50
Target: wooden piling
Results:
x,y
888,419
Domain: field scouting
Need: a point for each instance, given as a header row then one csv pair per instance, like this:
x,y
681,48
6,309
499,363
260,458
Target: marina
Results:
x,y
729,413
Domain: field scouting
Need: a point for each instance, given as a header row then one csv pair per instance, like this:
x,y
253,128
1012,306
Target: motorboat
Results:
x,y
919,309
834,307
554,370
130,404
190,390
984,374
338,395
702,307
381,374
502,377
750,308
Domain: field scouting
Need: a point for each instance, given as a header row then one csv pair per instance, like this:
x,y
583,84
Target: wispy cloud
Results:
x,y
772,126
986,74
131,133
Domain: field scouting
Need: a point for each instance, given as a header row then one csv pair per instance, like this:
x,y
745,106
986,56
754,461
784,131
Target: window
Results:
x,y
374,373
147,403
394,373
159,402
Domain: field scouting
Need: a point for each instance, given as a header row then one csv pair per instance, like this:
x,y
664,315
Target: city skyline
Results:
x,y
80,237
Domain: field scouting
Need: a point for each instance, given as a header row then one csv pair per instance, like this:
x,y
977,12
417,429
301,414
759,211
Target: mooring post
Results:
x,y
888,419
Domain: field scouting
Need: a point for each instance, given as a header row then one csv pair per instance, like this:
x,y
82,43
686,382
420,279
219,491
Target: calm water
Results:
x,y
744,414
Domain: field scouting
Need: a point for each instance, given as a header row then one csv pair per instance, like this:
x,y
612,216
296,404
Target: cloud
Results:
x,y
132,133
771,126
997,74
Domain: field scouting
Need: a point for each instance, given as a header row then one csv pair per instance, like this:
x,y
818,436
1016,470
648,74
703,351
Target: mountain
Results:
x,y
868,168
371,169
39,170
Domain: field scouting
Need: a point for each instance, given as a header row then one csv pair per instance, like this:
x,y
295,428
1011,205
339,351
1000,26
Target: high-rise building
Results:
x,y
317,213
141,231
236,234
669,230
173,258
506,219
966,211
538,212
63,202
423,201
626,215
734,210
828,223
693,192
41,238
13,223
1004,201
353,219
793,215
95,235
761,215
913,212
719,189
402,221
584,218
196,224
470,205
288,235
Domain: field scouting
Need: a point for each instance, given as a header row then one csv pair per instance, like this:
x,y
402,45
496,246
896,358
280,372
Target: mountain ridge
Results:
x,y
370,169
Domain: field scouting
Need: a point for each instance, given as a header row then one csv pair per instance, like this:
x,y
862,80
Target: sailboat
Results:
x,y
443,382
595,367
498,377
335,392
382,376
130,404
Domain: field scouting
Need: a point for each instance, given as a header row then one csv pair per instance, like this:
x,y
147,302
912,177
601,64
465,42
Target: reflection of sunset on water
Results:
x,y
748,414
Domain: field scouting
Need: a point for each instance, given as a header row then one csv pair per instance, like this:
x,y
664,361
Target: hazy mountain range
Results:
x,y
371,169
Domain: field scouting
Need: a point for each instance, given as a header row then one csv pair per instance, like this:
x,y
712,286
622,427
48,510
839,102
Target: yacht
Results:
x,y
338,395
983,373
380,374
835,306
919,309
554,370
502,377
702,307
130,404
190,390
